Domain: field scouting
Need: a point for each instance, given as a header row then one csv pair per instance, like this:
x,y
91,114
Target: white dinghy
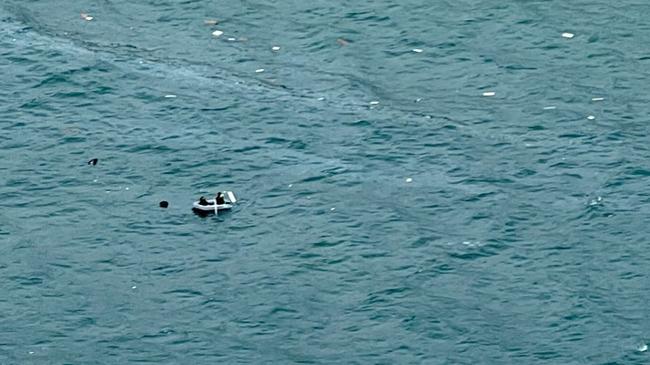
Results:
x,y
210,206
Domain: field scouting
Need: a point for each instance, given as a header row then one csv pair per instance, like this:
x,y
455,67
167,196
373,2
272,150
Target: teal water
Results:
x,y
521,238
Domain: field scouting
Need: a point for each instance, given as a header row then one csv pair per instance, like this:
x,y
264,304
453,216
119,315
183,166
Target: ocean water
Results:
x,y
389,212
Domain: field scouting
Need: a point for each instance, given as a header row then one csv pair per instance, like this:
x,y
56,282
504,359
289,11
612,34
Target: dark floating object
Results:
x,y
164,204
93,162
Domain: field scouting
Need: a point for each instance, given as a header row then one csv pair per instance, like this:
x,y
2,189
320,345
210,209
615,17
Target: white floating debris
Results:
x,y
86,17
591,117
597,99
95,180
408,180
259,70
342,42
31,352
217,33
489,93
374,103
417,50
568,35
596,201
170,96
332,209
290,185
133,287
275,48
126,188
210,22
418,100
549,107
643,348
321,98
232,39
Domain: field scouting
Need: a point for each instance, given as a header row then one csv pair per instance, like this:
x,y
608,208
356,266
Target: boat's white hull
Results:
x,y
210,207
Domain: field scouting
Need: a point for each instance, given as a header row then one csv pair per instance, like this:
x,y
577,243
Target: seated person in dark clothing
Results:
x,y
202,201
219,199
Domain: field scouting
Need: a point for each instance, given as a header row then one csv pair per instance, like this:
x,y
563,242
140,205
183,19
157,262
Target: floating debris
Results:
x,y
86,17
597,99
211,22
133,287
170,96
217,33
596,201
321,98
332,209
342,42
275,48
418,100
126,188
374,103
408,180
232,39
591,117
550,107
259,70
164,204
290,185
417,50
568,35
489,93
642,348
93,162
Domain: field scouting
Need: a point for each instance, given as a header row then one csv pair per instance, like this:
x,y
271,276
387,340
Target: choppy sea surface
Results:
x,y
389,212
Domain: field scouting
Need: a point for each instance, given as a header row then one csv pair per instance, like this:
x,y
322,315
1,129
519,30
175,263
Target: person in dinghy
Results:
x,y
220,199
